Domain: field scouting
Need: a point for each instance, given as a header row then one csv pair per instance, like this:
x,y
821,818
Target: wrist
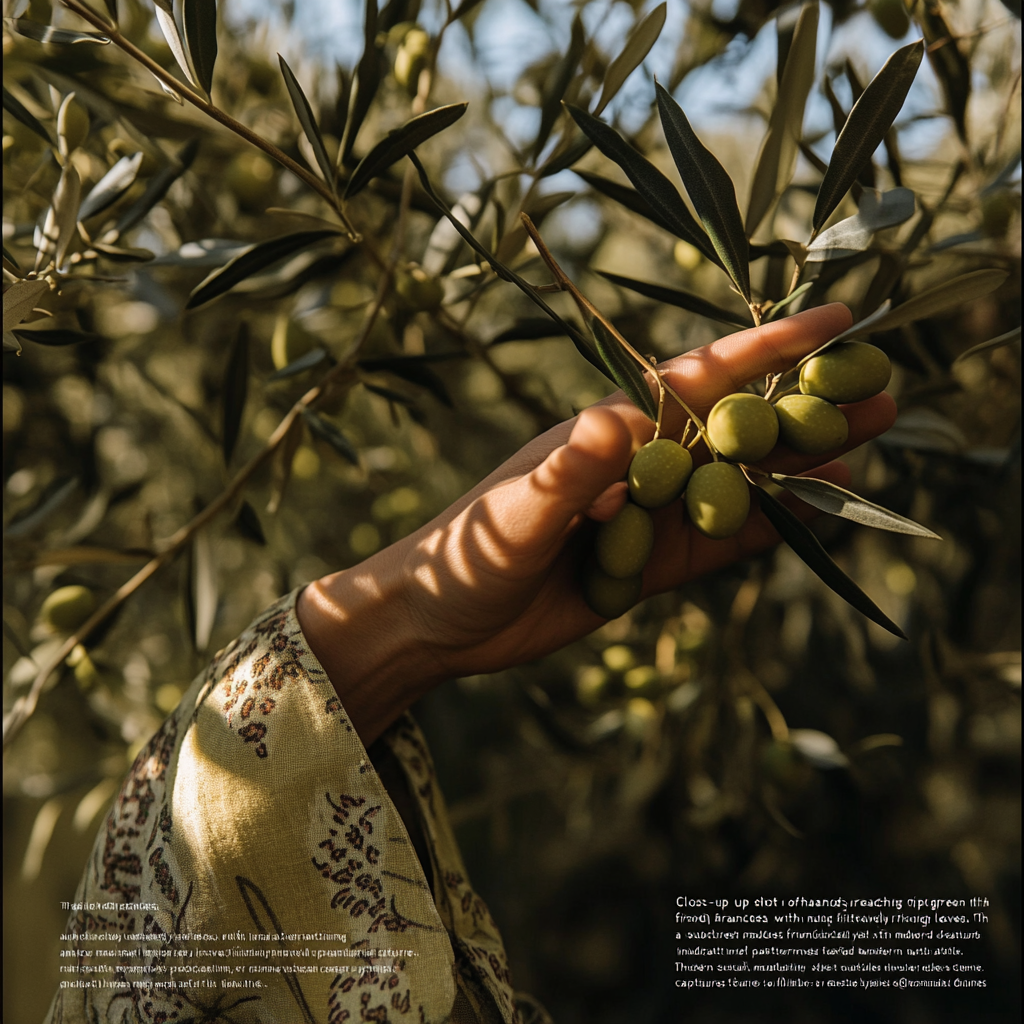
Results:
x,y
360,626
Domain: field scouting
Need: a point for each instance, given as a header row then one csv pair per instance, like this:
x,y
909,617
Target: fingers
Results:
x,y
705,375
867,419
536,509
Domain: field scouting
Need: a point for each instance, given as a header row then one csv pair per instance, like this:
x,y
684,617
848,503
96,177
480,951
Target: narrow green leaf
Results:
x,y
328,432
938,299
926,430
300,365
20,299
401,142
625,196
203,589
235,390
122,254
1004,339
248,524
790,298
414,369
365,84
251,261
574,146
948,62
199,19
871,117
59,227
680,298
652,185
173,35
777,160
310,128
839,502
54,337
561,76
21,113
528,329
157,187
864,326
49,34
878,210
710,190
624,370
13,264
111,186
809,548
638,45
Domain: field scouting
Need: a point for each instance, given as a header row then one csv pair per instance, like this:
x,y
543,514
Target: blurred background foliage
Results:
x,y
750,734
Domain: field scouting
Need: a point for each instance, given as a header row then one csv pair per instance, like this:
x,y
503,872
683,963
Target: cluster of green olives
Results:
x,y
743,428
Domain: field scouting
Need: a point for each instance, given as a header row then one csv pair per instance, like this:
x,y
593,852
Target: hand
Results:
x,y
492,581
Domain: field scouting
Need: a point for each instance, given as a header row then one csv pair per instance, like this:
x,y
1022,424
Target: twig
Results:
x,y
222,117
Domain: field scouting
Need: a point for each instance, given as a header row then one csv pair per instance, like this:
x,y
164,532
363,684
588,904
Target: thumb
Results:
x,y
568,481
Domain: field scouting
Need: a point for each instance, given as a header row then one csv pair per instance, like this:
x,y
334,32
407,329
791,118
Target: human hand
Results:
x,y
493,581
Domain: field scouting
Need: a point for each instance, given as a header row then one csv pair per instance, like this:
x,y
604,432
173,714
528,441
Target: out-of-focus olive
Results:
x,y
610,597
624,543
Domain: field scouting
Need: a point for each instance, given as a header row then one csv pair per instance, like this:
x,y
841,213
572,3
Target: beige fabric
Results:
x,y
255,809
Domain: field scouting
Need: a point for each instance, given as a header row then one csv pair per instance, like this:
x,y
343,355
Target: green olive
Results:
x,y
67,608
811,425
743,427
891,16
418,290
250,176
658,473
718,500
850,372
639,718
411,59
624,543
607,596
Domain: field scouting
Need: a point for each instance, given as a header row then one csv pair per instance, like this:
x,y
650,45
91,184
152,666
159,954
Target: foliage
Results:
x,y
247,341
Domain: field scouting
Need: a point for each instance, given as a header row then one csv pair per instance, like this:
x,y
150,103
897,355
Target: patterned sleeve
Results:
x,y
252,826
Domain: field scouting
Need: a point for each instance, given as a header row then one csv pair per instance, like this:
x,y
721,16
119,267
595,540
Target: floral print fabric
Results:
x,y
255,810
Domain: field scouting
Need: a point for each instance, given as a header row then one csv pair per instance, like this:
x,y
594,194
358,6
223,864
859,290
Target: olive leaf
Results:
x,y
877,211
60,223
365,83
21,113
54,337
808,547
624,370
710,190
818,748
121,253
282,468
111,186
202,589
157,188
937,299
1004,339
625,196
235,389
327,431
790,298
926,430
777,160
652,185
199,20
205,252
558,82
49,34
251,261
869,120
643,36
537,208
416,370
172,31
839,502
401,142
680,298
949,64
864,326
310,128
305,362
248,524
528,329
20,299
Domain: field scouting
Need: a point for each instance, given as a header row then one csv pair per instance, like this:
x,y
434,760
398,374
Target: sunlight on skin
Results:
x,y
491,582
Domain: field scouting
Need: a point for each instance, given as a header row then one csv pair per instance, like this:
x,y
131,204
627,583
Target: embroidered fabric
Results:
x,y
254,823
